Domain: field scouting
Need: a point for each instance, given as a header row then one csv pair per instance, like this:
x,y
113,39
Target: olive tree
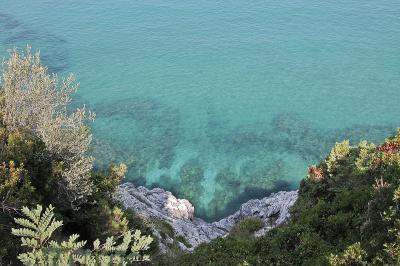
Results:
x,y
37,101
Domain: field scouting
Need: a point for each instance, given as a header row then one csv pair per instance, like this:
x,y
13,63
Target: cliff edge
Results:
x,y
191,231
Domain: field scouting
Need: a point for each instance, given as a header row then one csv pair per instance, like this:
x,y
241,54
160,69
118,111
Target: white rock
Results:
x,y
179,213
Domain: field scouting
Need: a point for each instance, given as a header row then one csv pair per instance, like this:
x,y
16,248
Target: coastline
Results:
x,y
162,209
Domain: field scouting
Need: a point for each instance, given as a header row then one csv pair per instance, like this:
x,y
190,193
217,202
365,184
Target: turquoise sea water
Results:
x,y
220,101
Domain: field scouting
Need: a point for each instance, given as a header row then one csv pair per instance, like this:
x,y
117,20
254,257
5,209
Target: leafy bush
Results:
x,y
36,233
34,100
221,251
353,255
247,226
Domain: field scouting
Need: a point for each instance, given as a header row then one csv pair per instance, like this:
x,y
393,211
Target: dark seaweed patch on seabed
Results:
x,y
160,131
159,125
291,133
52,47
7,22
286,133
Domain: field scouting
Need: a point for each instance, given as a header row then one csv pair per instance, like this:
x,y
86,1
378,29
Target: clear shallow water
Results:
x,y
220,101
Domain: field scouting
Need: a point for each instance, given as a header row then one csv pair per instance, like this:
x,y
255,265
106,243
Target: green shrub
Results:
x,y
183,240
353,255
36,235
247,226
164,228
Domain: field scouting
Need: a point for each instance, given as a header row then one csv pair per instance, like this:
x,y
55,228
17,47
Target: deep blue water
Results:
x,y
220,101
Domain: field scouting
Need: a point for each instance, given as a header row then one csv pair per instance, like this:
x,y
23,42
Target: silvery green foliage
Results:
x,y
35,100
38,227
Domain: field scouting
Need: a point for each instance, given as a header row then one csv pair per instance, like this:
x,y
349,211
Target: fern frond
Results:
x,y
71,244
24,232
38,229
141,242
29,242
34,214
123,247
53,244
50,230
109,245
96,244
29,258
46,219
25,223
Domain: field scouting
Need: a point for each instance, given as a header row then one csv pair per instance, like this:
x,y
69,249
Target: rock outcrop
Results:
x,y
162,206
272,210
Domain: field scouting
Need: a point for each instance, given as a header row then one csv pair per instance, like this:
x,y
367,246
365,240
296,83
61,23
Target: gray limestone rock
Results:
x,y
179,213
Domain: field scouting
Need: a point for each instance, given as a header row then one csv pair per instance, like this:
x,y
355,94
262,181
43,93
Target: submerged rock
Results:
x,y
191,231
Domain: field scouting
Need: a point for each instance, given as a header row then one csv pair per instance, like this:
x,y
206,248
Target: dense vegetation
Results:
x,y
44,160
346,214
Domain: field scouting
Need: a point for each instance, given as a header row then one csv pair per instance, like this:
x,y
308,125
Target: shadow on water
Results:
x,y
248,194
53,50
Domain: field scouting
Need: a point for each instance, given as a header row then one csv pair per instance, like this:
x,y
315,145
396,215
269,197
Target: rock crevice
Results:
x,y
179,214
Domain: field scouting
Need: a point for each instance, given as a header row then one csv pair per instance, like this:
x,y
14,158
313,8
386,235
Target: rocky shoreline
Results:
x,y
161,205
